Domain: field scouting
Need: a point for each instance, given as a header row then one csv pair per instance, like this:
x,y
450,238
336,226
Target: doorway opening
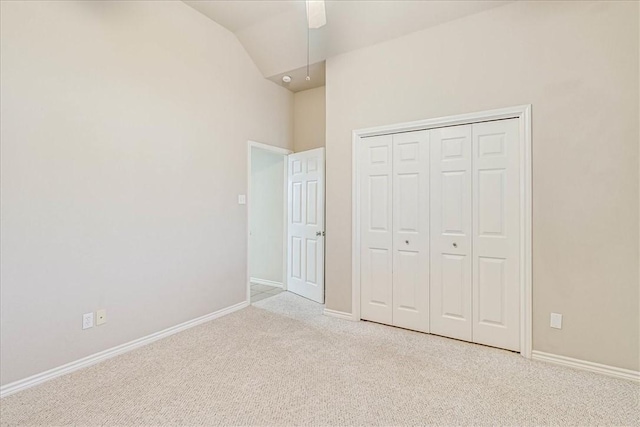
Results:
x,y
267,221
285,216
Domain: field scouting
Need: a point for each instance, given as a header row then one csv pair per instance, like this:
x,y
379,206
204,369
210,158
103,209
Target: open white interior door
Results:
x,y
305,260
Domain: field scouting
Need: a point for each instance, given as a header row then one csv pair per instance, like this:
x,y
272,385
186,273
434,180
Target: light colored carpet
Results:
x,y
281,362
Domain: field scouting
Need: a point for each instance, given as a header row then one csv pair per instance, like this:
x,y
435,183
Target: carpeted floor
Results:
x,y
281,362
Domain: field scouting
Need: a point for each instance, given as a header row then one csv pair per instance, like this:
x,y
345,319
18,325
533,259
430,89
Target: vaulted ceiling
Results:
x,y
274,33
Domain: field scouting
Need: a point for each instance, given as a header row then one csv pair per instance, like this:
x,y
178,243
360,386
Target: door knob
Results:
x,y
455,245
406,241
318,233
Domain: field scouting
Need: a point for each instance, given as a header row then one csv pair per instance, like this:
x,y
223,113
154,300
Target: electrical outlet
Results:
x,y
87,320
101,317
556,320
242,199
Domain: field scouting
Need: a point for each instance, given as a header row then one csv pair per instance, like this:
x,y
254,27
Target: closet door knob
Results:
x,y
406,241
455,245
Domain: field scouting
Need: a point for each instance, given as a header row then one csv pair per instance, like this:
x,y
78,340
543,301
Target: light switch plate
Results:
x,y
101,317
87,320
242,199
556,320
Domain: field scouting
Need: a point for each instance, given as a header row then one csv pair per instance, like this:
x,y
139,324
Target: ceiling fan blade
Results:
x,y
316,15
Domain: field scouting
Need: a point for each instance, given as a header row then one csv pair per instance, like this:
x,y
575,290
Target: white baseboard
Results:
x,y
338,314
257,281
610,371
40,378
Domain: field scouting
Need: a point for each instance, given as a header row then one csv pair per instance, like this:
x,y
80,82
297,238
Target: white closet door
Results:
x,y
451,235
496,225
411,230
376,230
306,224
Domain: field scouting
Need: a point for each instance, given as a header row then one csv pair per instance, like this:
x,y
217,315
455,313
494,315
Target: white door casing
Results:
x,y
451,235
411,230
496,229
305,257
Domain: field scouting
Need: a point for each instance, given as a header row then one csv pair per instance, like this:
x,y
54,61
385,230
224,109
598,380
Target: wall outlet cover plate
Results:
x,y
556,320
87,320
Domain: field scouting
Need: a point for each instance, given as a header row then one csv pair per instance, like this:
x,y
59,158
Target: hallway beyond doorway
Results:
x,y
260,291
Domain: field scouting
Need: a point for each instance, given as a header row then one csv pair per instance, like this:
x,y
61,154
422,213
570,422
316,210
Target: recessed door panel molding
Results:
x,y
454,271
491,197
311,273
452,202
295,167
497,229
295,255
408,193
312,165
376,230
306,224
312,200
379,278
451,237
296,203
411,230
406,270
379,190
491,291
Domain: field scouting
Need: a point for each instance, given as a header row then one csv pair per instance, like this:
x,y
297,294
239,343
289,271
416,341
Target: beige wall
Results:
x,y
577,64
267,215
124,145
309,124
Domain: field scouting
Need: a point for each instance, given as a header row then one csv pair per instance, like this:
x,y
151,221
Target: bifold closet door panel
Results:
x,y
496,225
411,230
451,233
376,229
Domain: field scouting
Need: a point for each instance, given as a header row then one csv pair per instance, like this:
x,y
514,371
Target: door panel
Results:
x,y
296,203
312,202
496,206
311,273
451,237
306,224
379,279
411,230
379,187
454,273
376,229
295,251
491,202
491,291
406,270
452,202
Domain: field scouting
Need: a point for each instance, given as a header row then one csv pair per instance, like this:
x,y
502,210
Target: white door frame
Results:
x,y
523,114
285,152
